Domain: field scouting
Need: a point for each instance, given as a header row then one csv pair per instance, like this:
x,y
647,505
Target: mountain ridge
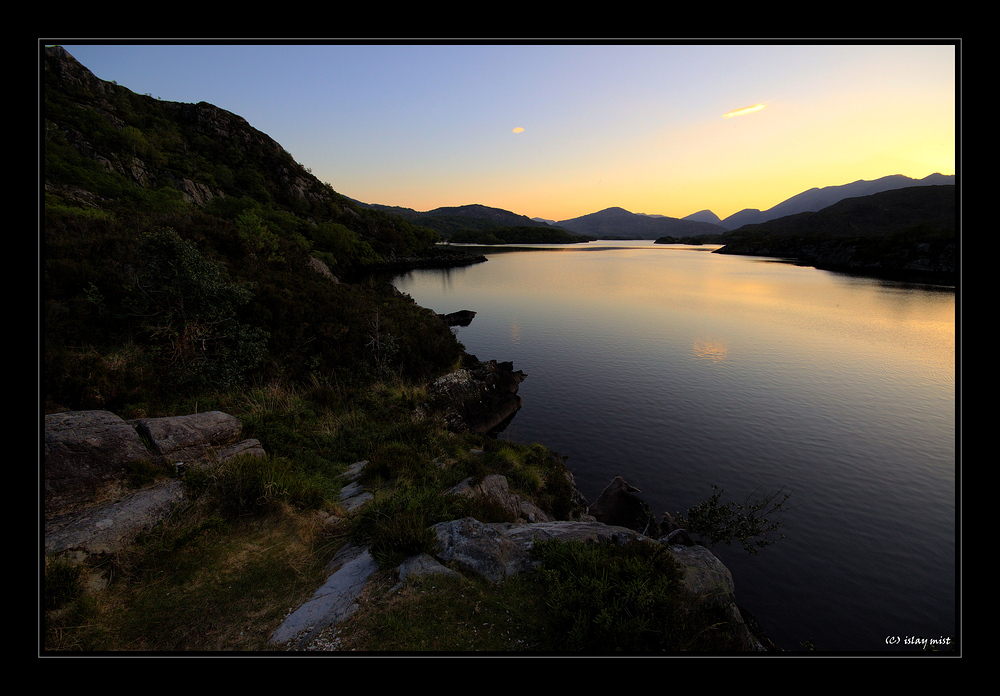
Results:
x,y
817,198
617,222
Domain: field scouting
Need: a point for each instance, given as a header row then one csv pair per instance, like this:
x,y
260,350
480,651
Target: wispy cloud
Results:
x,y
744,110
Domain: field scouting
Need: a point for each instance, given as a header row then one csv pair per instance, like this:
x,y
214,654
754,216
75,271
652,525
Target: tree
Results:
x,y
260,241
187,306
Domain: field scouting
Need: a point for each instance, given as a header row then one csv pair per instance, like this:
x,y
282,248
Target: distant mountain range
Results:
x,y
818,198
907,234
618,223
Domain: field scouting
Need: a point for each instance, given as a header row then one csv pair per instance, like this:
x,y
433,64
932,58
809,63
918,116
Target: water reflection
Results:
x,y
840,389
710,350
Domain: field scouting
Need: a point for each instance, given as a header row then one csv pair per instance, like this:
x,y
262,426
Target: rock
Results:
x,y
461,318
108,528
492,488
618,506
705,576
423,565
353,495
498,550
179,438
333,602
88,510
481,396
321,268
85,451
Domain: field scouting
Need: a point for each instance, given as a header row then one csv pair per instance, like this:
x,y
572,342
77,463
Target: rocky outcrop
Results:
x,y
494,489
88,509
481,396
84,452
497,551
619,506
462,317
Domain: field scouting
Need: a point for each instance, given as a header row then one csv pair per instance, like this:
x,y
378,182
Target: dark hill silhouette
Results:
x,y
906,233
451,220
618,223
818,198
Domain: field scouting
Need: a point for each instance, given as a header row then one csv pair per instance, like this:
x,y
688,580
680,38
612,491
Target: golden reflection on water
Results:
x,y
515,334
710,350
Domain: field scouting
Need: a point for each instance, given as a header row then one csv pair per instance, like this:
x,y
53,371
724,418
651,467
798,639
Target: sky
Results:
x,y
557,130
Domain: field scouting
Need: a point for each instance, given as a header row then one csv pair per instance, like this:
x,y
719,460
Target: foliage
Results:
x,y
604,598
187,306
62,583
261,243
750,523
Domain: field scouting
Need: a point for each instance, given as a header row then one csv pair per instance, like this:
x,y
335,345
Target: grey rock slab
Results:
x,y
108,528
332,603
423,565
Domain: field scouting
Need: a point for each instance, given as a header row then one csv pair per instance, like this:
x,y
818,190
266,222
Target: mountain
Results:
x,y
449,220
818,198
182,249
907,233
618,223
100,135
704,216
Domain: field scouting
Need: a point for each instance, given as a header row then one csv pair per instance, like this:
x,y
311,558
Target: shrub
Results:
x,y
62,583
607,598
186,305
749,523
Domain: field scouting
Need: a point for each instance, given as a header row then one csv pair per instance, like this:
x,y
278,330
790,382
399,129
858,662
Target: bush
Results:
x,y
604,598
749,522
62,583
187,306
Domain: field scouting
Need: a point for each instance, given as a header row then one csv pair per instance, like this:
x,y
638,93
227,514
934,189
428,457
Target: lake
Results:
x,y
680,369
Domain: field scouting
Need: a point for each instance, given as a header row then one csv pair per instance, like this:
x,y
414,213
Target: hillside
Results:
x,y
466,219
182,248
906,233
186,272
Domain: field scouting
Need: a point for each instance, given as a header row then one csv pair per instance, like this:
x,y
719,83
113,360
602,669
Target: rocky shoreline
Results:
x,y
88,513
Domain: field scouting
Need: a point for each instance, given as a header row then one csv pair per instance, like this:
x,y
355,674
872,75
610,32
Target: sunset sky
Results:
x,y
558,131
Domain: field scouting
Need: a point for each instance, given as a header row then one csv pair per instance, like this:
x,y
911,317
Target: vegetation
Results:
x,y
752,523
154,302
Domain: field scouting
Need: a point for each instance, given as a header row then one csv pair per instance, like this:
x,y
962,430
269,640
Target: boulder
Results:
x,y
87,509
103,529
480,396
617,505
494,489
498,550
195,436
84,452
461,318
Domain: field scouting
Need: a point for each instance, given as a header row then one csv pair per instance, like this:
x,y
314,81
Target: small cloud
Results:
x,y
519,130
744,110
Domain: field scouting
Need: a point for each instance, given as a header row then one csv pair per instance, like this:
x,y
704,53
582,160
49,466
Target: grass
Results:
x,y
444,614
255,539
198,584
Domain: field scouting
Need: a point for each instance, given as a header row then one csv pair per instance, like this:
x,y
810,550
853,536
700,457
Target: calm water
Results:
x,y
677,369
